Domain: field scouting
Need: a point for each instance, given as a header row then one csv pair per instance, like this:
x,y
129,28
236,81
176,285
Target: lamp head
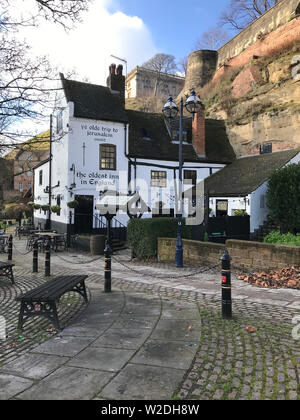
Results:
x,y
170,109
193,103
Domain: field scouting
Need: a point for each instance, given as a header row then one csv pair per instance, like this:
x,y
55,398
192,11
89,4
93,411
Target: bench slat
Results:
x,y
52,289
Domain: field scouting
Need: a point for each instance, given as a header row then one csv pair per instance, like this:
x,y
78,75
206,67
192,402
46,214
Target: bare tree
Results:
x,y
212,39
161,63
182,65
241,13
27,82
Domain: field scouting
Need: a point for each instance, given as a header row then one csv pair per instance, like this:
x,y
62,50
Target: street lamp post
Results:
x,y
170,111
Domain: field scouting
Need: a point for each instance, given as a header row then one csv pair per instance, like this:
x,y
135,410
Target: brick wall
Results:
x,y
245,255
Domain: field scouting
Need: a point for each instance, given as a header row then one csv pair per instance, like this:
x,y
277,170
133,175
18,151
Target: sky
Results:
x,y
134,30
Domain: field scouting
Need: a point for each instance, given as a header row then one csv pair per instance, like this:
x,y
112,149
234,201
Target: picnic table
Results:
x,y
6,270
41,301
56,239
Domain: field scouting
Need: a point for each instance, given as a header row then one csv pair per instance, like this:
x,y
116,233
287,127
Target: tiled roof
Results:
x,y
246,174
148,134
149,139
93,101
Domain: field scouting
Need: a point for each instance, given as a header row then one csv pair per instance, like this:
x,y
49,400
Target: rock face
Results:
x,y
253,81
260,102
281,128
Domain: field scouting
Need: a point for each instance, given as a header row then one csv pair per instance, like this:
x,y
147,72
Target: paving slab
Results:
x,y
34,366
63,345
11,385
111,360
177,330
139,382
68,383
122,338
172,354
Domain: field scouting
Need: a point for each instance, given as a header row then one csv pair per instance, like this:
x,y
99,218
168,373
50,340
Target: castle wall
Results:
x,y
277,16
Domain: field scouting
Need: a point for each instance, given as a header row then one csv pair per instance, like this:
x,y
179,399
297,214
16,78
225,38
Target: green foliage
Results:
x,y
283,197
142,234
240,213
55,209
72,204
283,239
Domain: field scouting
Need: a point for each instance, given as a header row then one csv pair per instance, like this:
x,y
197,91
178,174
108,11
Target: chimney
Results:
x,y
116,80
198,132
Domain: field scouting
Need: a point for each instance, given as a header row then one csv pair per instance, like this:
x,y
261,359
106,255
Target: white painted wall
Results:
x,y
234,203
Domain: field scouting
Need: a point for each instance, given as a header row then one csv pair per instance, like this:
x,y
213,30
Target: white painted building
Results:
x,y
243,185
98,145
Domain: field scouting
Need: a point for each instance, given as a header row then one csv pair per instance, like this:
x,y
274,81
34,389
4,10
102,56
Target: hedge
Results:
x,y
142,234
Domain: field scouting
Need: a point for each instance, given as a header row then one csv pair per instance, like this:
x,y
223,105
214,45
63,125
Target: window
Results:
x,y
59,122
20,186
58,203
158,179
108,157
190,176
144,134
28,185
175,135
41,177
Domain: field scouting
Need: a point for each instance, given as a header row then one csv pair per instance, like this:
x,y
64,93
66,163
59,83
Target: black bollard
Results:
x,y
226,286
47,259
107,268
10,247
35,257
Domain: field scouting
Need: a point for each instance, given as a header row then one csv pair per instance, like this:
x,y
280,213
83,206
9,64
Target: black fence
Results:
x,y
219,229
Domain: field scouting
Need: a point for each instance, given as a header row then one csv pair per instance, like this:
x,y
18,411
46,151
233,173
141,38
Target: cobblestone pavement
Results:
x,y
229,361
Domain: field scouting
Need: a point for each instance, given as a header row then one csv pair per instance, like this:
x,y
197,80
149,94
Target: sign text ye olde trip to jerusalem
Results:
x,y
98,131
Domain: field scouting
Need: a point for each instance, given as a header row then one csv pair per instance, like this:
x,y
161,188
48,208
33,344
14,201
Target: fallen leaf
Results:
x,y
251,329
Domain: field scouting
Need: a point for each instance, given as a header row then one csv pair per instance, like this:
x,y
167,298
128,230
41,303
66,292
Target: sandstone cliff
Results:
x,y
260,102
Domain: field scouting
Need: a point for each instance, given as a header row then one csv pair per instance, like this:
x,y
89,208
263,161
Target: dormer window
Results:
x,y
175,135
144,134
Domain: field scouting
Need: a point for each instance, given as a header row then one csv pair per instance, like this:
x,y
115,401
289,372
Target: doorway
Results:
x,y
83,221
222,208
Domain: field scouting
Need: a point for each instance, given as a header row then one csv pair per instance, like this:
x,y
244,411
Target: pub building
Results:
x,y
98,146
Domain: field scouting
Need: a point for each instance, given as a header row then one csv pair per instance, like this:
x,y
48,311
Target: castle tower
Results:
x,y
201,67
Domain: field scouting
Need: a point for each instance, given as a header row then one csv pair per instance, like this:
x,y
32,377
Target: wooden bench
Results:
x,y
42,300
6,270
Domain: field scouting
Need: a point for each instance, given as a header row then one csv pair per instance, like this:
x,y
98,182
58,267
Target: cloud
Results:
x,y
104,30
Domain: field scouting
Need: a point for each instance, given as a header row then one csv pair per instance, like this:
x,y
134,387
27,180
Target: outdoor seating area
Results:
x,y
58,242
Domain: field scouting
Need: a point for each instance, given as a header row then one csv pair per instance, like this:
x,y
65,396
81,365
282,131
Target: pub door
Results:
x,y
83,222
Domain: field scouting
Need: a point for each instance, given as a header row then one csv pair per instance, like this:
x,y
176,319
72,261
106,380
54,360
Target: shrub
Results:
x,y
142,234
283,198
282,239
240,212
